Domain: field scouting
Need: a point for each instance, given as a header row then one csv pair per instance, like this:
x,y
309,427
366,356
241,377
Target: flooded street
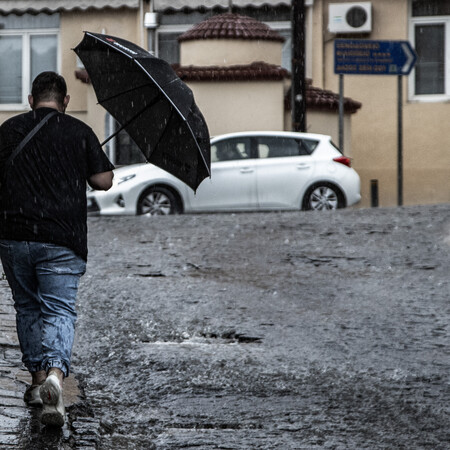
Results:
x,y
278,330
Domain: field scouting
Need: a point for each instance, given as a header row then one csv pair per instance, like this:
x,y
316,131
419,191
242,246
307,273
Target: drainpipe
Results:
x,y
298,86
151,23
141,22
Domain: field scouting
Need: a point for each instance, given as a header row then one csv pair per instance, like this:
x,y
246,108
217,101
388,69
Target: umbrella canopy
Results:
x,y
152,104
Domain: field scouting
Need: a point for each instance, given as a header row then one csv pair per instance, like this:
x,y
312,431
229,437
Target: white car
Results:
x,y
249,171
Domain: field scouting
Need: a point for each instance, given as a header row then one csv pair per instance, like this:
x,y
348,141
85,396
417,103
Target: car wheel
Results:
x,y
322,197
157,201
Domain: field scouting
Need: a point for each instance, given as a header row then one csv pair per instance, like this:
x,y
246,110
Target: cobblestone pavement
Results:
x,y
13,413
252,331
20,426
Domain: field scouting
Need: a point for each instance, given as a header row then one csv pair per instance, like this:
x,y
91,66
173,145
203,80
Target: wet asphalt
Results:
x,y
253,331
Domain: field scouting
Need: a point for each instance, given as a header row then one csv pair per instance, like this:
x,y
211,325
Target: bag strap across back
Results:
x,y
29,136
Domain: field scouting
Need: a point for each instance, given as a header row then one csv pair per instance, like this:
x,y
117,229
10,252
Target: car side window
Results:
x,y
309,145
230,150
279,147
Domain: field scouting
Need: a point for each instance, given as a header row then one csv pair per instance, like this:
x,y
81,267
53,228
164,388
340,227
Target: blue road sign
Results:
x,y
366,57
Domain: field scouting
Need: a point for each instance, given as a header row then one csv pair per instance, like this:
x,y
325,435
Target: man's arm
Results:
x,y
101,181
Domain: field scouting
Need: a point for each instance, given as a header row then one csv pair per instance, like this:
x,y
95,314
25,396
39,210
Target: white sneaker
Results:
x,y
31,396
53,410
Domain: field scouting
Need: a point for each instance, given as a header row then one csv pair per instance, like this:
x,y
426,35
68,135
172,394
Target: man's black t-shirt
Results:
x,y
43,190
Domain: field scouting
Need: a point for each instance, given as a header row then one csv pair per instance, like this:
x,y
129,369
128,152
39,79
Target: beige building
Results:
x,y
39,34
233,65
425,107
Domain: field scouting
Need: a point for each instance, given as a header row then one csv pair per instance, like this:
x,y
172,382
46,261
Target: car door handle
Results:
x,y
246,170
303,166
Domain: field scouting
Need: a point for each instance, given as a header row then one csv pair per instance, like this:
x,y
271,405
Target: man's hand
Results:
x,y
101,181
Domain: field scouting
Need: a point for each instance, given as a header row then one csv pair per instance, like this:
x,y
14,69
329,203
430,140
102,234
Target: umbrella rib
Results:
x,y
131,120
200,151
161,88
124,92
179,112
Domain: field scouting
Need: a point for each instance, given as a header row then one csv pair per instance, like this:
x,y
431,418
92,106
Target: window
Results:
x,y
430,8
280,147
10,69
28,46
121,149
168,47
127,152
430,32
430,69
231,150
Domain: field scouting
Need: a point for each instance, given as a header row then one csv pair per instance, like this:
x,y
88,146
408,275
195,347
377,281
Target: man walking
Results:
x,y
46,157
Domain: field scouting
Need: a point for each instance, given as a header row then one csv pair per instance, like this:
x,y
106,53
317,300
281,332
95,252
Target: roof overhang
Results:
x,y
257,71
160,5
35,6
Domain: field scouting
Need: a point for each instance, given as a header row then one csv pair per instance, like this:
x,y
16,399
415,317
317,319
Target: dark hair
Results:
x,y
49,86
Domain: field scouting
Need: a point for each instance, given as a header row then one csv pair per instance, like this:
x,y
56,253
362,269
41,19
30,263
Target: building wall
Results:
x,y
240,106
246,106
426,142
328,123
318,47
216,52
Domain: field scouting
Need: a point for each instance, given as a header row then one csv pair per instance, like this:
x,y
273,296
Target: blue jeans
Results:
x,y
44,282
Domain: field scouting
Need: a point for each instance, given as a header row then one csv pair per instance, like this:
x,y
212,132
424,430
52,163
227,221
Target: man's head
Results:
x,y
49,89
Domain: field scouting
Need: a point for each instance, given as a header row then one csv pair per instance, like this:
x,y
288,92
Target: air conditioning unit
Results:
x,y
350,17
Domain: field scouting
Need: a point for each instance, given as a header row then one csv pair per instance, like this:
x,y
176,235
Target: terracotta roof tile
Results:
x,y
325,100
255,71
318,99
231,26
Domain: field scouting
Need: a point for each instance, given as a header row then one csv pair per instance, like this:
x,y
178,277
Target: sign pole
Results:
x,y
400,142
369,57
341,112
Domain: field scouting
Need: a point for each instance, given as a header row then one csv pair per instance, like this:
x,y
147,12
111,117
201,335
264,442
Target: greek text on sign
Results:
x,y
366,57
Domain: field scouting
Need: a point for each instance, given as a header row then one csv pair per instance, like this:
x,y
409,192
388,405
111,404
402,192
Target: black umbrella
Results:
x,y
151,103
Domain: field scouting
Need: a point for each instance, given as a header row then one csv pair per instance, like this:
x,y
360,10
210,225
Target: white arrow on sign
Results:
x,y
410,58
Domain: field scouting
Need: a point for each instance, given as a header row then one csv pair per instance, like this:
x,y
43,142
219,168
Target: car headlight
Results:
x,y
126,178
